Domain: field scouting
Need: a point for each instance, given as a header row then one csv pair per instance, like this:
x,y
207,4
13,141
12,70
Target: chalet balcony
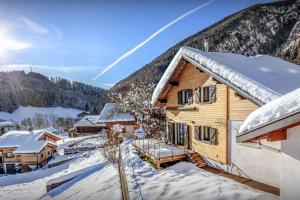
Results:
x,y
160,152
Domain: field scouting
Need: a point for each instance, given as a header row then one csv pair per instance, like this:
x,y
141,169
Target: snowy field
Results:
x,y
24,112
181,181
100,178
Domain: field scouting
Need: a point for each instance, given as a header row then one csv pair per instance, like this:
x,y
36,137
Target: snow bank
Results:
x,y
263,77
181,181
274,110
25,112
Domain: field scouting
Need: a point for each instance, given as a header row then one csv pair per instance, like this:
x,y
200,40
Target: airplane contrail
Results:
x,y
128,53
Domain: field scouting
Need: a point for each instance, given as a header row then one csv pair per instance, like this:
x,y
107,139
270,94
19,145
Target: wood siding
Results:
x,y
227,106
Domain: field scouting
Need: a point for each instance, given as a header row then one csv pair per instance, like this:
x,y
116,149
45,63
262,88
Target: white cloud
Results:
x,y
8,43
28,67
35,27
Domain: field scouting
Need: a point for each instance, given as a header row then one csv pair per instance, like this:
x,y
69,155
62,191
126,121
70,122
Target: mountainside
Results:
x,y
33,89
260,29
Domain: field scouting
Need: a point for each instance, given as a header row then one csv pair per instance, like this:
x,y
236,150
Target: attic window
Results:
x,y
239,96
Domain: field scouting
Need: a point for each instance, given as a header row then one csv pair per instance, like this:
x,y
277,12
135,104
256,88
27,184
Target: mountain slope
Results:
x,y
260,29
34,89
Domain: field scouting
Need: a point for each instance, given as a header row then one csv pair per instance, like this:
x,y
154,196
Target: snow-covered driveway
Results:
x,y
181,181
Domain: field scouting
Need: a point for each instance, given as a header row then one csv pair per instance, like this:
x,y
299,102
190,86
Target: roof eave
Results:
x,y
285,121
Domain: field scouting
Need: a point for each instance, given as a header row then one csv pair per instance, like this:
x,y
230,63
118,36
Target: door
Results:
x,y
178,133
10,168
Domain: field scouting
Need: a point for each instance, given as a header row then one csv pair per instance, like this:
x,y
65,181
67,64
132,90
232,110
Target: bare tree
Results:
x,y
138,103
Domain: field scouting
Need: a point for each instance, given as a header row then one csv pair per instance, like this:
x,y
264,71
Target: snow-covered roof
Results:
x,y
262,78
51,130
276,110
7,123
110,114
25,141
89,121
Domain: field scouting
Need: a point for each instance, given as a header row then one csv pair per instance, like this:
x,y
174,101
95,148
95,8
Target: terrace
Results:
x,y
160,152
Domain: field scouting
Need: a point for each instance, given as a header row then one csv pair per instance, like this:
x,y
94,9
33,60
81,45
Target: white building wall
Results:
x,y
290,165
257,162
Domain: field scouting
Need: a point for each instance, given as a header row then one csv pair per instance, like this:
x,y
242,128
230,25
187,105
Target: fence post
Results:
x,y
122,176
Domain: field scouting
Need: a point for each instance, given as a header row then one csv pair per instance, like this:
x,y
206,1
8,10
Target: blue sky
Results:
x,y
78,39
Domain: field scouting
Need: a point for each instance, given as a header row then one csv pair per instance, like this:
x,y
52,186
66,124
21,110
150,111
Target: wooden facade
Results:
x,y
218,104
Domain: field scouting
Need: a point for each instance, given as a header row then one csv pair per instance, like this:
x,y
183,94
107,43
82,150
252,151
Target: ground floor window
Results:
x,y
178,133
205,134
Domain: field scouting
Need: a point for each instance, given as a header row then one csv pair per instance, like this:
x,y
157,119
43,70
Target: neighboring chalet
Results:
x,y
82,114
207,97
279,122
88,125
26,150
6,125
110,116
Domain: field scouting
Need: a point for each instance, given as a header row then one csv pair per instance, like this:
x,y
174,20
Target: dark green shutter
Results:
x,y
179,97
213,135
212,93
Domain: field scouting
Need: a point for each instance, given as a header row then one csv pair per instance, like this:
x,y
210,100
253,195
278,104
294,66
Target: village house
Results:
x,y
26,150
6,125
88,125
207,96
110,117
279,123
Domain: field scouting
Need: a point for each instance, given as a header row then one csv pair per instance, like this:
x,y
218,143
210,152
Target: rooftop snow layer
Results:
x,y
264,78
88,120
24,141
276,109
110,114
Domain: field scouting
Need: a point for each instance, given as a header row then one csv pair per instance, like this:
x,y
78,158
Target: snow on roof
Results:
x,y
277,109
7,123
24,141
89,120
51,129
110,114
262,77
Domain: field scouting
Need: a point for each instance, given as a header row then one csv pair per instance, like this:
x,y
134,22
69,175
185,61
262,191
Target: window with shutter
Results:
x,y
198,95
213,135
212,93
189,96
206,134
205,94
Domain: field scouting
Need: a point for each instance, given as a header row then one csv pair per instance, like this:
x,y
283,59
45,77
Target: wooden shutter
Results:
x,y
196,133
212,93
213,135
197,95
179,97
201,95
189,96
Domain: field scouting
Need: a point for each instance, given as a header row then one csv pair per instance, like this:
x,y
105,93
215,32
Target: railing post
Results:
x,y
159,150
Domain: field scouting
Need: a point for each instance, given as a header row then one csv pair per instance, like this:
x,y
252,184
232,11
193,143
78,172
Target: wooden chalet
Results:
x,y
110,116
88,125
207,96
26,150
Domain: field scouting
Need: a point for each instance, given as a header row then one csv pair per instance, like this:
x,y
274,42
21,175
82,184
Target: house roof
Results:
x,y
7,123
260,78
279,113
25,141
89,121
110,114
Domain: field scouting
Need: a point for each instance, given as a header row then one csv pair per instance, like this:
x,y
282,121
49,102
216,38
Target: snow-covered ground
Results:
x,y
100,179
29,111
181,181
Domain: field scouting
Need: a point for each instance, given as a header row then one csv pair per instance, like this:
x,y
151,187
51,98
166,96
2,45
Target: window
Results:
x,y
205,94
205,134
185,96
48,153
9,155
42,155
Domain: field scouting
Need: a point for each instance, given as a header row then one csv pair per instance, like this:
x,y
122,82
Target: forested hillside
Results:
x,y
34,89
261,29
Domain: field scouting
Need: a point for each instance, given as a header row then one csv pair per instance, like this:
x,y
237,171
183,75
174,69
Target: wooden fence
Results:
x,y
122,175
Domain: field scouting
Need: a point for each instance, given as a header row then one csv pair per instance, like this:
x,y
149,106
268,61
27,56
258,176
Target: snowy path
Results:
x,y
181,181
